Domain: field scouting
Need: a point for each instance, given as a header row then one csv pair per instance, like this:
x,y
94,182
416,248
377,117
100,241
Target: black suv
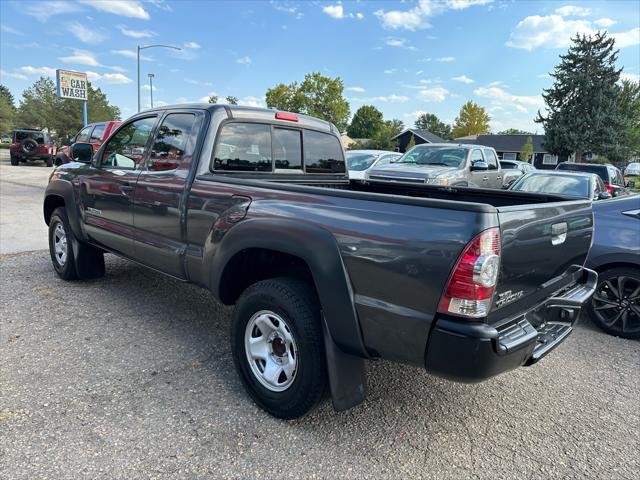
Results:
x,y
610,175
31,144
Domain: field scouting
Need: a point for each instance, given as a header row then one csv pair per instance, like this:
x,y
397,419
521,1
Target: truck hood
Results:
x,y
413,171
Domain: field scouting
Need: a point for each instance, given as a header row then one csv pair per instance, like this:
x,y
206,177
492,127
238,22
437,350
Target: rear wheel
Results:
x,y
49,161
14,160
278,347
71,258
615,306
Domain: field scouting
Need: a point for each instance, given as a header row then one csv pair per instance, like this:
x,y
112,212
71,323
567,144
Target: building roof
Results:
x,y
505,143
423,134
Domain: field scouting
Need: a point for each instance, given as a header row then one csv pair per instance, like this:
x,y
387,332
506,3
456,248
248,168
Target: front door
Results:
x,y
494,173
160,189
479,178
107,192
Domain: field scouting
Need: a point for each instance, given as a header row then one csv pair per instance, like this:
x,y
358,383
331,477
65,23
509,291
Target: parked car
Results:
x,y
361,161
323,272
573,184
615,254
29,144
443,164
632,169
610,175
94,134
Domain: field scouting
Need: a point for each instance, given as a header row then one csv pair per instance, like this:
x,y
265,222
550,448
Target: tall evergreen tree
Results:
x,y
584,114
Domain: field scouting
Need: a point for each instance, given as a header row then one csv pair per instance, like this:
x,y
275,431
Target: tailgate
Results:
x,y
540,244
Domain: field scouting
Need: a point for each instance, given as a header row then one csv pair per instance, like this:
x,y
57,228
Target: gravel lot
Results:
x,y
130,376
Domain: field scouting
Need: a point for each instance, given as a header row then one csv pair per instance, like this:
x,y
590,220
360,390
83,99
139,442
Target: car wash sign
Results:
x,y
71,84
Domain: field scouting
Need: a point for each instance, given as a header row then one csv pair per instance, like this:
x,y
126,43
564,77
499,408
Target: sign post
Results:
x,y
70,84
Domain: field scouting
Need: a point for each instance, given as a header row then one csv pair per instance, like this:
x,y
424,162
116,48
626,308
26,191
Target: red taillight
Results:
x,y
292,117
470,288
609,188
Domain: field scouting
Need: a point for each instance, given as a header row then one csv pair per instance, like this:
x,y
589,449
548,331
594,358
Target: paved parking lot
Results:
x,y
130,376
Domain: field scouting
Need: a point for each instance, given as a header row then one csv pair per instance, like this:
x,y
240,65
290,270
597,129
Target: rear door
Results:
x,y
541,244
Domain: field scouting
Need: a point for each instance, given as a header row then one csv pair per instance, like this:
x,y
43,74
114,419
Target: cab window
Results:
x,y
126,148
244,147
287,149
83,136
97,133
491,159
174,142
476,156
322,153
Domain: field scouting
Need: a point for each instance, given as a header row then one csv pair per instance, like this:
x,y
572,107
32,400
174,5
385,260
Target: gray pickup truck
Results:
x,y
256,206
445,164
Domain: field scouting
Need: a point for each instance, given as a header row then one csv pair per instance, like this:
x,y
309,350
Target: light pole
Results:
x,y
151,75
143,47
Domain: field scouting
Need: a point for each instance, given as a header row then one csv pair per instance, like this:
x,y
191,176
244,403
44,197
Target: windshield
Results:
x,y
599,170
360,161
577,186
430,155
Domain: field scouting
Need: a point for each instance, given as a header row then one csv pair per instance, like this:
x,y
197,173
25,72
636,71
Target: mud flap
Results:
x,y
347,374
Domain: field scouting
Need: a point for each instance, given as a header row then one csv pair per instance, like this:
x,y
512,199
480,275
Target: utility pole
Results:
x,y
151,75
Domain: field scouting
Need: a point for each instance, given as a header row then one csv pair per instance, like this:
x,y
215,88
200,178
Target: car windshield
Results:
x,y
573,185
360,161
431,155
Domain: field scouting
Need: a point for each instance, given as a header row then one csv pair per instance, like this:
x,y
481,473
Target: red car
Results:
x,y
94,133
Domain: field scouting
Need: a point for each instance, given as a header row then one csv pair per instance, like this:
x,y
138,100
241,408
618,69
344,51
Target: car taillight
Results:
x,y
469,291
609,188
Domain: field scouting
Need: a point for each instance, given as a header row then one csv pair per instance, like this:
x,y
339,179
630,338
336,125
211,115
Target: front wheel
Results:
x,y
14,160
615,306
278,348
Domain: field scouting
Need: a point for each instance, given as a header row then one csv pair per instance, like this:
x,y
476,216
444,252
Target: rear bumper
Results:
x,y
471,352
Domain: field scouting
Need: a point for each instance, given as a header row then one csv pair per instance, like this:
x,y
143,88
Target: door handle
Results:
x,y
485,178
498,178
126,187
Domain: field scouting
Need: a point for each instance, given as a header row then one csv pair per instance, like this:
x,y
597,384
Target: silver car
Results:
x,y
359,162
444,164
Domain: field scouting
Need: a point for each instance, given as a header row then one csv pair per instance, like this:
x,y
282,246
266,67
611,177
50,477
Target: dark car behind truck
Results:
x,y
256,206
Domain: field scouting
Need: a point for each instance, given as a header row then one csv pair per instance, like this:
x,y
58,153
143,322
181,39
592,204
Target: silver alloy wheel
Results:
x,y
60,244
271,350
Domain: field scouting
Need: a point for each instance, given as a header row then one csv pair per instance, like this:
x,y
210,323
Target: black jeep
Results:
x,y
32,144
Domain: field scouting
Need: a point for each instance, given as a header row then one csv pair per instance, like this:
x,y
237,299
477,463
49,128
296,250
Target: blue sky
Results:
x,y
404,57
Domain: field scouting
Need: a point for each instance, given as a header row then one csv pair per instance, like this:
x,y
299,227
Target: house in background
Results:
x,y
508,147
419,137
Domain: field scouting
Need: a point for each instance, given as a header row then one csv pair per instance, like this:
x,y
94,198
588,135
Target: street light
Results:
x,y
143,48
151,75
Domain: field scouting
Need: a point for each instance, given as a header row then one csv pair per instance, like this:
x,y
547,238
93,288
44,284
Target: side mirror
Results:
x,y
82,152
479,166
604,195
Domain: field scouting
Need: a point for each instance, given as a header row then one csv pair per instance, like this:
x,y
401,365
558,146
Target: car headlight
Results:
x,y
437,181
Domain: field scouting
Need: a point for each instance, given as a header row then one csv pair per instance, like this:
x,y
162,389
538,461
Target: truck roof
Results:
x,y
467,146
256,113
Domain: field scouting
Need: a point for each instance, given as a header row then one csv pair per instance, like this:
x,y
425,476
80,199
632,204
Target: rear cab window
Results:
x,y
267,148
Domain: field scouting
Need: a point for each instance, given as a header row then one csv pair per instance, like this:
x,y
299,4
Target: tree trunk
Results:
x,y
578,156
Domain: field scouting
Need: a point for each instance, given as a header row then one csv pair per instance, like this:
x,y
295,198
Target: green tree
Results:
x,y
317,95
38,105
472,120
382,139
6,116
8,96
431,123
583,112
629,100
527,150
366,122
231,100
514,131
411,144
213,99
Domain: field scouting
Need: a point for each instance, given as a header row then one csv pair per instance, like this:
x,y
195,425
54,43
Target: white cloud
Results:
x,y
435,94
359,16
416,17
243,60
44,10
389,71
355,89
197,82
393,98
400,43
463,79
632,77
148,88
414,115
628,38
521,109
85,34
604,22
82,57
501,96
7,29
115,79
136,33
48,71
192,45
131,54
334,11
93,76
17,76
446,59
251,101
123,8
161,5
573,11
550,31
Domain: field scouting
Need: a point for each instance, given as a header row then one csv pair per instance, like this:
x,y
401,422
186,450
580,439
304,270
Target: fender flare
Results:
x,y
62,188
